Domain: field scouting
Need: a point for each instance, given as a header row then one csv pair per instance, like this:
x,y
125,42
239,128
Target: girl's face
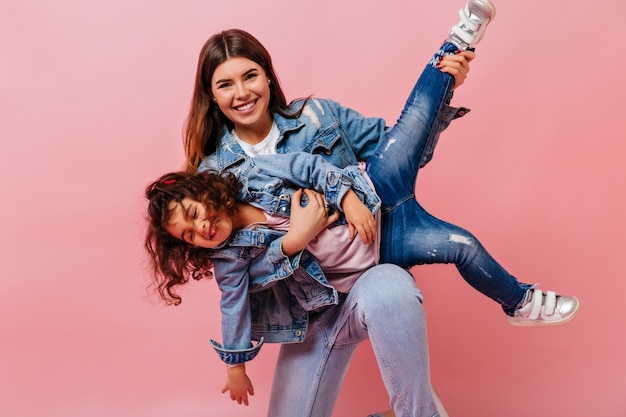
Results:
x,y
241,89
192,223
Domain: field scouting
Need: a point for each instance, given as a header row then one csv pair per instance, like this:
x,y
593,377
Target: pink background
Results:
x,y
92,101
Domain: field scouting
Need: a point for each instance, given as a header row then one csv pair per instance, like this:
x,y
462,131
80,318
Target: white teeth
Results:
x,y
245,107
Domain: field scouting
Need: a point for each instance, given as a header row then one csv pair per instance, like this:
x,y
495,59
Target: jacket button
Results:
x,y
298,333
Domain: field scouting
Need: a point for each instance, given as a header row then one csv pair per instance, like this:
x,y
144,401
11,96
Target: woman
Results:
x,y
234,117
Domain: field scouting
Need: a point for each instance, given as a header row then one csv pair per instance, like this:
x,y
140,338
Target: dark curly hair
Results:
x,y
174,261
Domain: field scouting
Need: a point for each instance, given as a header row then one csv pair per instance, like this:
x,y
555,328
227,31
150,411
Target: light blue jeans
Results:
x,y
383,306
410,235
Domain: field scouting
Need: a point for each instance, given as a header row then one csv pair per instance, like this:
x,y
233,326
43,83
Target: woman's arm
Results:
x,y
304,170
306,222
300,169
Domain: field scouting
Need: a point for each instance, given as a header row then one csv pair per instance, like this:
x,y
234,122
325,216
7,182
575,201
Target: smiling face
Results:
x,y
192,223
241,89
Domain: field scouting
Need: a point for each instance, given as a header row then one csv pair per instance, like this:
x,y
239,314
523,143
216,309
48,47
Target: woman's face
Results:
x,y
192,223
241,89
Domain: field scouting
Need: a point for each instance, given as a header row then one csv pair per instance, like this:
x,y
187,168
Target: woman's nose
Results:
x,y
241,90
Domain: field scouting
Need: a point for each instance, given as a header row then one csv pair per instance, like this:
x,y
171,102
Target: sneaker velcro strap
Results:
x,y
467,22
537,302
550,303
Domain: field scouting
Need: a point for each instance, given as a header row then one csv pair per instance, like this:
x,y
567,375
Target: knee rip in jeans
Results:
x,y
461,239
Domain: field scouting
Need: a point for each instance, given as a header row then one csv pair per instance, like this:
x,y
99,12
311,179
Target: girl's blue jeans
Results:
x,y
309,375
410,235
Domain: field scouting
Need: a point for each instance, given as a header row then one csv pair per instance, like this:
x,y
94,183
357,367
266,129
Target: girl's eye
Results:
x,y
223,85
195,214
250,76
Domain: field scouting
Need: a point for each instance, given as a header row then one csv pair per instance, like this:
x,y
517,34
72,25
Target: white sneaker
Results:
x,y
545,309
474,20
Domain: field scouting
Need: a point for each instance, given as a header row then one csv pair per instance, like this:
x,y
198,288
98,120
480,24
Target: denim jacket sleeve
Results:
x,y
301,169
240,270
363,133
231,274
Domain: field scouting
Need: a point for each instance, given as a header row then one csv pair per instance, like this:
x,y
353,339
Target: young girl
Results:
x,y
253,251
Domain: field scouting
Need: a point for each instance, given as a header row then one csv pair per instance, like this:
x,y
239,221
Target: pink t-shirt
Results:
x,y
342,260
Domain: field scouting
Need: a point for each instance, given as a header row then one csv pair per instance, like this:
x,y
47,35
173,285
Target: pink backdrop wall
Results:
x,y
92,101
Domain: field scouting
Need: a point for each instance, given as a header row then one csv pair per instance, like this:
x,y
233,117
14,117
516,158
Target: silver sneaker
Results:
x,y
545,309
474,20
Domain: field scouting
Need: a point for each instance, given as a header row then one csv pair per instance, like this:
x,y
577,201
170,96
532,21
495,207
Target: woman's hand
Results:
x,y
457,65
306,222
238,384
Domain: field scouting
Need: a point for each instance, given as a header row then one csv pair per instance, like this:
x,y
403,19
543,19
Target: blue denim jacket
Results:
x,y
257,301
254,257
339,134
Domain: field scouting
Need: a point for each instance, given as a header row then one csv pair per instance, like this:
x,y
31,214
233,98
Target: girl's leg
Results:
x,y
309,375
409,144
412,236
393,167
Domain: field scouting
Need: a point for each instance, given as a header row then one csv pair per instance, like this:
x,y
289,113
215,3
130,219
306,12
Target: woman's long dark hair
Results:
x,y
174,261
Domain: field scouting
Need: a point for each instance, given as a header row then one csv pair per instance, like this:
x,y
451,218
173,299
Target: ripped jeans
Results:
x,y
410,235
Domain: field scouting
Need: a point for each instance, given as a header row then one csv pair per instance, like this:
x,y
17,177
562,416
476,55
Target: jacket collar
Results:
x,y
230,152
255,236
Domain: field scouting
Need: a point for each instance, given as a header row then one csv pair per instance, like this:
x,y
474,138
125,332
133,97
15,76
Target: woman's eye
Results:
x,y
195,214
250,76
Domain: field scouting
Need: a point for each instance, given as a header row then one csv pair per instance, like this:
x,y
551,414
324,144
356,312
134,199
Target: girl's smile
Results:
x,y
191,222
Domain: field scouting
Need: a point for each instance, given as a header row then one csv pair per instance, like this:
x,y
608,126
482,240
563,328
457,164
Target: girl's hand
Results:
x,y
457,65
238,384
306,222
359,218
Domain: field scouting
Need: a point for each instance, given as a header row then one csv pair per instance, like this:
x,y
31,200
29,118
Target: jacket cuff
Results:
x,y
449,113
335,188
238,356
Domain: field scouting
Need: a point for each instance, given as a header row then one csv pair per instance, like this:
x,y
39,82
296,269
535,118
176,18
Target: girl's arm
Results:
x,y
232,279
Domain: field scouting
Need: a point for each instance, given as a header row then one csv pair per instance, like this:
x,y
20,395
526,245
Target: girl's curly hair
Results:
x,y
174,261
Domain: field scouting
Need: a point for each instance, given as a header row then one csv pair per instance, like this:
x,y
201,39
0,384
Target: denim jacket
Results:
x,y
339,134
278,307
257,301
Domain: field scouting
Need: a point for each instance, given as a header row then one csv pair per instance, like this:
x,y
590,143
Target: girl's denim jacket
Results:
x,y
257,302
